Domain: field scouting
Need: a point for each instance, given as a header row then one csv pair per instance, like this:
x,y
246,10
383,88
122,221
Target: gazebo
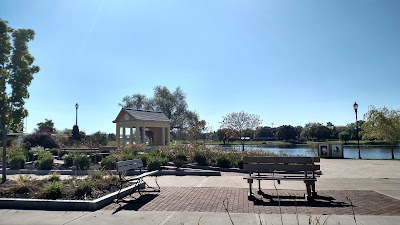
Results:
x,y
151,127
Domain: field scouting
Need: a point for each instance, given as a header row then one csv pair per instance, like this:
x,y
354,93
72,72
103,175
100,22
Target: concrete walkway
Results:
x,y
374,186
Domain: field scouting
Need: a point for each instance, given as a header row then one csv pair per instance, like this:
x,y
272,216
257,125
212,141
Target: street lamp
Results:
x,y
76,112
355,106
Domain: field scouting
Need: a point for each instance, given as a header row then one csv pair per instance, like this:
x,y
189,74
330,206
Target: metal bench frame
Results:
x,y
282,168
134,164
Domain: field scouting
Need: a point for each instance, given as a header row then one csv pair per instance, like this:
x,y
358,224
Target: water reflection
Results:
x,y
349,151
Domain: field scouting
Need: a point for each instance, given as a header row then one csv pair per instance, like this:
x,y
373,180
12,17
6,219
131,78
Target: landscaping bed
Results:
x,y
89,188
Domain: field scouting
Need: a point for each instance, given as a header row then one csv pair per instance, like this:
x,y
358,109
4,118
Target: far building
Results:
x,y
151,128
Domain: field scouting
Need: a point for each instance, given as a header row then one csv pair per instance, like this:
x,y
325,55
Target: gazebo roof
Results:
x,y
142,115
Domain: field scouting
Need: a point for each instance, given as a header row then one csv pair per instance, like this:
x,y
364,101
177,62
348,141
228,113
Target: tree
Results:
x,y
16,74
97,139
344,136
225,135
383,124
352,129
137,101
111,137
239,122
286,132
47,127
334,134
265,133
172,104
196,128
316,131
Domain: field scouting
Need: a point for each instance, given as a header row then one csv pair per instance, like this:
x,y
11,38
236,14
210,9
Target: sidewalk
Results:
x,y
373,186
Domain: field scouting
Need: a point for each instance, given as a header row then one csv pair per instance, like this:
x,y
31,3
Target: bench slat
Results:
x,y
280,178
137,177
280,167
280,159
129,165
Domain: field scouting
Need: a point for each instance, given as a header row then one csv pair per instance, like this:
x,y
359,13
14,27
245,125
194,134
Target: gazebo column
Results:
x,y
163,135
117,134
123,136
168,135
130,135
137,134
144,135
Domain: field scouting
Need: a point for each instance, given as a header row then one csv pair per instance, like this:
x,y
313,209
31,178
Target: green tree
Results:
x,y
172,104
382,124
286,132
97,139
137,101
344,136
239,122
111,137
16,74
47,127
316,131
351,128
334,134
265,132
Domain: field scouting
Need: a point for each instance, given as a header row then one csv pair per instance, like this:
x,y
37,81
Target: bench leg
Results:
x,y
250,194
310,186
314,193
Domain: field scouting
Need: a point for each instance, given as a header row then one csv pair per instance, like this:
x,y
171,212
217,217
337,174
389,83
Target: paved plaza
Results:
x,y
368,188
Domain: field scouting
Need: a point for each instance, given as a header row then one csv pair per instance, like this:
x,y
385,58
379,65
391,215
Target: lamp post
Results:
x,y
355,106
76,114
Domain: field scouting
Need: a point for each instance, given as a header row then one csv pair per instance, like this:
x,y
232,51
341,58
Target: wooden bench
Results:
x,y
282,168
134,164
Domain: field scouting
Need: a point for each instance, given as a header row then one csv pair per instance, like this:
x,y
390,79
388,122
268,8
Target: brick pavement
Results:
x,y
211,199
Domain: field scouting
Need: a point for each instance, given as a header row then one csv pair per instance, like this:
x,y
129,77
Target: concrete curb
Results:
x,y
67,205
130,173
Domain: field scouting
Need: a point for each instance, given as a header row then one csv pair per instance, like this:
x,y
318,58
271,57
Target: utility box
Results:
x,y
330,150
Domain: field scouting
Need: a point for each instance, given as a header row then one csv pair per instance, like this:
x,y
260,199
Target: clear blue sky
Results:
x,y
291,62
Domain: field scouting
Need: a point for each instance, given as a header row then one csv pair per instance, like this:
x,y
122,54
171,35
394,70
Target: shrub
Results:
x,y
68,160
40,139
240,164
17,160
45,160
81,161
181,156
54,176
223,162
96,174
144,158
83,188
155,162
178,163
200,159
96,158
127,156
108,163
32,156
54,190
55,151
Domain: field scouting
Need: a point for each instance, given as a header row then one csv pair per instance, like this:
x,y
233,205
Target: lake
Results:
x,y
349,151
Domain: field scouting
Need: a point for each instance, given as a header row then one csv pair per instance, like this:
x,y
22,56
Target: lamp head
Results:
x,y
355,106
76,106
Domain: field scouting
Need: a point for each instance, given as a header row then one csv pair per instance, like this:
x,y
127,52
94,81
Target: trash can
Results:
x,y
330,150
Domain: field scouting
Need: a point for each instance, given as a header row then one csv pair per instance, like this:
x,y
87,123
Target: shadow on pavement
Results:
x,y
293,200
134,203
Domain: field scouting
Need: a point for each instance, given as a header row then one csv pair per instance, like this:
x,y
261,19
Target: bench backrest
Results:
x,y
268,164
133,164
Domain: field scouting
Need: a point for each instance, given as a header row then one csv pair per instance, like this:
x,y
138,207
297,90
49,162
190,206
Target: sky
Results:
x,y
290,62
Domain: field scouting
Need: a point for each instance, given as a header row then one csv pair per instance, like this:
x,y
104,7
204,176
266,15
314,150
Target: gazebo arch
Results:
x,y
149,125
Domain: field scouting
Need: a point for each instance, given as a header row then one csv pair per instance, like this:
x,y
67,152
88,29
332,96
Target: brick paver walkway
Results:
x,y
203,199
